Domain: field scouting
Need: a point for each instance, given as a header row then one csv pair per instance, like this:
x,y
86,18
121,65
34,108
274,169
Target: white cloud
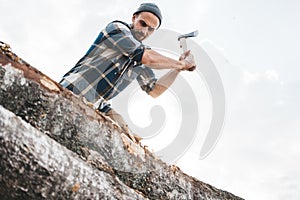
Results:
x,y
272,75
252,77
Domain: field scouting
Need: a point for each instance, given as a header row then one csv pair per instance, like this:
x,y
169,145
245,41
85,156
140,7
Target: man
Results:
x,y
117,57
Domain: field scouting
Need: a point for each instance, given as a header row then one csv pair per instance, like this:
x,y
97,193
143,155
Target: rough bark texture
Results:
x,y
33,166
108,158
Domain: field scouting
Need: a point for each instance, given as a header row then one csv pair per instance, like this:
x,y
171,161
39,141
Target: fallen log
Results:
x,y
33,166
95,138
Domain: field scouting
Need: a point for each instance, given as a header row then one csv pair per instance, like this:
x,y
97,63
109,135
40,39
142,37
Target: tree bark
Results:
x,y
96,139
33,166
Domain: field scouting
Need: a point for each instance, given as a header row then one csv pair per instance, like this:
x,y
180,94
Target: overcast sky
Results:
x,y
255,46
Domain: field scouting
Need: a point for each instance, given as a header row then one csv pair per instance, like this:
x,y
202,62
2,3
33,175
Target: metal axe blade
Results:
x,y
191,34
182,39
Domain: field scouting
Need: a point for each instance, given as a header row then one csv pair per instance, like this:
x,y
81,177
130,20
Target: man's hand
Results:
x,y
188,60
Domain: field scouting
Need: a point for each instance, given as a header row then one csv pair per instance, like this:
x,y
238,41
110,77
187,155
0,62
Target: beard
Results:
x,y
139,35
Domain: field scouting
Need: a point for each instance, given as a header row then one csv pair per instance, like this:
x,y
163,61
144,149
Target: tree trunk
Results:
x,y
33,166
96,139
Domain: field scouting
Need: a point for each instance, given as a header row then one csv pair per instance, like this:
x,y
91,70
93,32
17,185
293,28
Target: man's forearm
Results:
x,y
156,60
164,83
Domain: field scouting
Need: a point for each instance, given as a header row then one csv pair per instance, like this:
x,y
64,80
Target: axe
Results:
x,y
182,40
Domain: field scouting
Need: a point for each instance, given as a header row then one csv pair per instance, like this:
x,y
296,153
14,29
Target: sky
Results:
x,y
255,47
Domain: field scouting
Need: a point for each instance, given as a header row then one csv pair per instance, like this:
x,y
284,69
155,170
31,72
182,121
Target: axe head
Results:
x,y
191,34
182,39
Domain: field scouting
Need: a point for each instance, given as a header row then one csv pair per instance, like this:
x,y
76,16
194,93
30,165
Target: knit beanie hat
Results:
x,y
150,7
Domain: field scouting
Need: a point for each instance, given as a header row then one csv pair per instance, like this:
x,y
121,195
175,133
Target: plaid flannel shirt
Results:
x,y
109,66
